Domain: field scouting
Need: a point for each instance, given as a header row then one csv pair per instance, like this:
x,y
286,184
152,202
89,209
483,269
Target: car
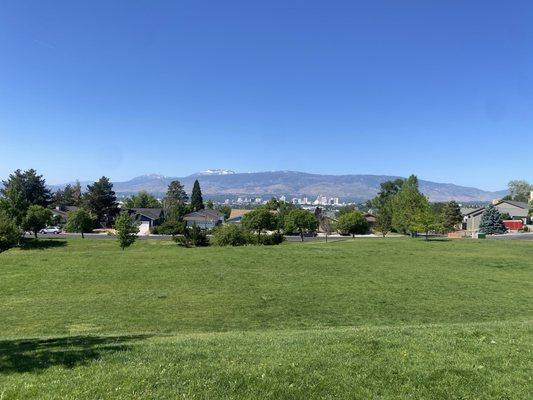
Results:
x,y
50,229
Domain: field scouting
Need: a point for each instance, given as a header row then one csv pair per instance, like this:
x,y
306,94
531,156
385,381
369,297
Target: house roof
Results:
x,y
238,213
152,213
203,215
518,204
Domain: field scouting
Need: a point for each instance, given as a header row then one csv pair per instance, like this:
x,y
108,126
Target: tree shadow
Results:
x,y
41,244
34,355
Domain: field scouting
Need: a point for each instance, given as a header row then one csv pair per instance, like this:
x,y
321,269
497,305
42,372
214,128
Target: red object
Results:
x,y
513,225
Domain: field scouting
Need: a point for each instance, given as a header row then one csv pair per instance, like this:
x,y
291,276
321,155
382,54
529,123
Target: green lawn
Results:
x,y
364,318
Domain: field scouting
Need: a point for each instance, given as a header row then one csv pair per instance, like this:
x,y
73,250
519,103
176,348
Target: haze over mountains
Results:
x,y
292,183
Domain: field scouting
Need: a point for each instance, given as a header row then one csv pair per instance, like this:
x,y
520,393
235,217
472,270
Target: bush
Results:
x,y
169,228
272,239
193,236
9,233
231,235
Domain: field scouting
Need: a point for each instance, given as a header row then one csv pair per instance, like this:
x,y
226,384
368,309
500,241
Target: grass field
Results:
x,y
365,318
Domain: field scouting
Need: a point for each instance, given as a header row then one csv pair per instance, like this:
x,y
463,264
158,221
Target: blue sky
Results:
x,y
442,89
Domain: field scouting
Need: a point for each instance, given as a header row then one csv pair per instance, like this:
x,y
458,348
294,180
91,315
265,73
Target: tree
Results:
x,y
491,221
197,201
209,204
23,189
352,223
346,210
425,220
143,199
387,191
405,204
79,221
175,194
259,220
325,223
37,217
451,216
101,201
127,230
519,190
301,221
384,219
9,232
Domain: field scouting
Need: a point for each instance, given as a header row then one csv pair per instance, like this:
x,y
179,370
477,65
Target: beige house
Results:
x,y
516,209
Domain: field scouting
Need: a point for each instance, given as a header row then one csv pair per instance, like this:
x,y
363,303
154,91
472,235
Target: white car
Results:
x,y
50,229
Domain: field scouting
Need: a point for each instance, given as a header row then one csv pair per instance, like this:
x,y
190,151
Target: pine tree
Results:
x,y
101,201
175,194
491,221
197,202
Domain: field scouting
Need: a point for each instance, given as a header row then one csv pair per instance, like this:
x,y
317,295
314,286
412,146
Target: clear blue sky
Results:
x,y
442,89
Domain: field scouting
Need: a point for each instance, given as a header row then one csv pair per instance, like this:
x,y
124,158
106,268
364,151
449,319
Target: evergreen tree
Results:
x,y
142,199
491,221
23,189
101,201
127,230
197,202
175,194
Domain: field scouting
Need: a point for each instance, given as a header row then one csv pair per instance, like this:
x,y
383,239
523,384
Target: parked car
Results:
x,y
50,230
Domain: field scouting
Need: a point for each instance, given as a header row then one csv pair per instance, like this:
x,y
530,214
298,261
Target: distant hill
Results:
x,y
292,183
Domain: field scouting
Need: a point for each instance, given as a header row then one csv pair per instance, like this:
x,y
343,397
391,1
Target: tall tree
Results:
x,y
101,201
491,221
23,189
127,230
175,194
77,194
405,204
387,191
37,218
197,202
519,190
384,219
451,216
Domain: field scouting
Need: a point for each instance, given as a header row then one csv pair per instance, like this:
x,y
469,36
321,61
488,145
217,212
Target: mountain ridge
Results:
x,y
356,187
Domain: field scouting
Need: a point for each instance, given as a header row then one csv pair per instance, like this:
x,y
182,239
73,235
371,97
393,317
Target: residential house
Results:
x,y
205,219
147,218
516,209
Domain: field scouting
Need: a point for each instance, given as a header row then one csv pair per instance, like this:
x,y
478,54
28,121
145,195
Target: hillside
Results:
x,y
291,183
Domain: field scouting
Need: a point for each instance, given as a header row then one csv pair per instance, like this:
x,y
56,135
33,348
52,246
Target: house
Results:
x,y
146,217
61,212
516,209
236,216
205,219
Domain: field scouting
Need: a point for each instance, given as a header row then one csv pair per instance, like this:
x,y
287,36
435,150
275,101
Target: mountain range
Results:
x,y
291,183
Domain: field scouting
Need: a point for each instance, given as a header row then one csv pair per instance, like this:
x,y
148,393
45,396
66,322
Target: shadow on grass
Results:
x,y
33,355
41,244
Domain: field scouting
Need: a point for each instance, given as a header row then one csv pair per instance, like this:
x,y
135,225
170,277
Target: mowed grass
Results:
x,y
365,318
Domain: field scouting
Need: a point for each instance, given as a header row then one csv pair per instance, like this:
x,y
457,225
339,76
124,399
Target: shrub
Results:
x,y
169,228
272,239
231,235
193,236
